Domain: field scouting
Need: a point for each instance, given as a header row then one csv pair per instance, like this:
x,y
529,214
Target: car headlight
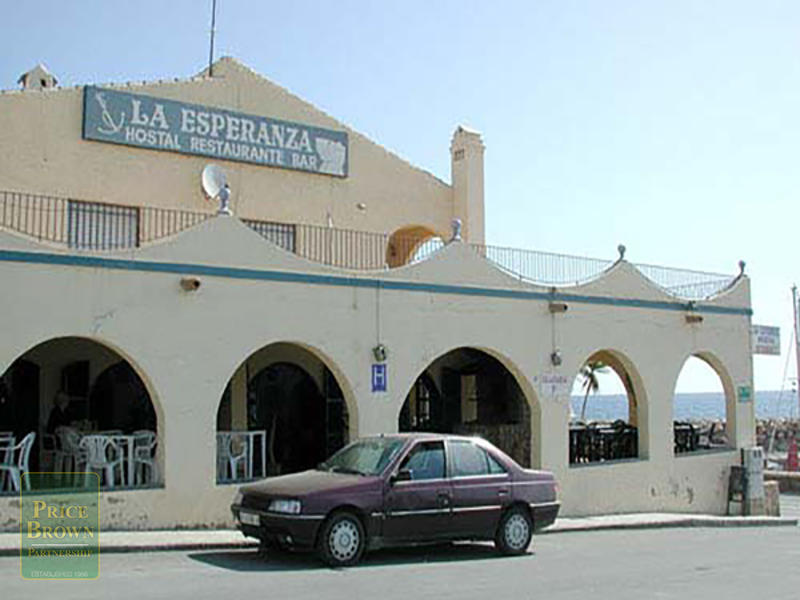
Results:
x,y
237,499
290,507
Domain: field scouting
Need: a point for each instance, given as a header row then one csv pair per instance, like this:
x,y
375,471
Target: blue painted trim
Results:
x,y
73,260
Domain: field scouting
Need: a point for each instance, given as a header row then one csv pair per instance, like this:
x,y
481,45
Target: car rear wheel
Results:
x,y
514,532
342,540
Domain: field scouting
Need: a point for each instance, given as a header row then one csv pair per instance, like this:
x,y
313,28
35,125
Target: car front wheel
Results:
x,y
342,540
514,532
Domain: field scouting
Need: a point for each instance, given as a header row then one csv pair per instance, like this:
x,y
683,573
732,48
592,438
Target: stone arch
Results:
x,y
691,436
75,365
296,397
595,442
404,244
468,374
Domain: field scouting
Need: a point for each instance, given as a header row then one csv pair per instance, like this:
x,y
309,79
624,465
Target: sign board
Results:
x,y
744,393
379,377
553,384
766,340
159,124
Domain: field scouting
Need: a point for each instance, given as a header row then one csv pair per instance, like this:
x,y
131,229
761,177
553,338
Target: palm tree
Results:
x,y
590,383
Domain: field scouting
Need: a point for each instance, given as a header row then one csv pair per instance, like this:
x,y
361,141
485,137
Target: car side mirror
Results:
x,y
403,475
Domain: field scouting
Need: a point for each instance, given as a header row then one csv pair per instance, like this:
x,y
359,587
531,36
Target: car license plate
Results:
x,y
249,518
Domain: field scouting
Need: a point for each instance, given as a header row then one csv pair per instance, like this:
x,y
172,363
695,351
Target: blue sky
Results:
x,y
672,127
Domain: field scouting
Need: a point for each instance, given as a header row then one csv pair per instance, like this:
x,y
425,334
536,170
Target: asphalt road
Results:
x,y
728,563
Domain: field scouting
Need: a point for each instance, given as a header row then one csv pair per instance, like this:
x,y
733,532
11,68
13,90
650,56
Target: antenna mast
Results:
x,y
796,341
213,30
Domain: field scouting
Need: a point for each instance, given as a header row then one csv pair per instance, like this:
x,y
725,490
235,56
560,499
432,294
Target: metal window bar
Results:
x,y
98,226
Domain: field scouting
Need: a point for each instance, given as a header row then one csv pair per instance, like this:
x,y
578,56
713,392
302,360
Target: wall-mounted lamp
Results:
x,y
555,358
691,316
190,284
379,352
557,307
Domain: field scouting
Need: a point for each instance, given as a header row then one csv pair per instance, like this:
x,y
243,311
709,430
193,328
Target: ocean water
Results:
x,y
769,405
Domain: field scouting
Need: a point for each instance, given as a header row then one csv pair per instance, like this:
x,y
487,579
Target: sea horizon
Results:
x,y
769,404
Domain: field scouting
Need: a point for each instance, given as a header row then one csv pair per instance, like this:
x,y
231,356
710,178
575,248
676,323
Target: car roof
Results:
x,y
422,435
426,435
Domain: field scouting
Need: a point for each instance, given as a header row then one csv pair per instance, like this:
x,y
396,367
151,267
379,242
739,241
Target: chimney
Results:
x,y
466,155
38,78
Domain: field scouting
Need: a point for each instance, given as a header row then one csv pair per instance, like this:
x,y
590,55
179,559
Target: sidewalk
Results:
x,y
214,539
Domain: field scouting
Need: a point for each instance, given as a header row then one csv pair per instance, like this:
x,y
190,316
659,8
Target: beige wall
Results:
x,y
187,345
41,152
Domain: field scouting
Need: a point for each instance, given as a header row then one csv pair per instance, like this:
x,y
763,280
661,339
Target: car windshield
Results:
x,y
363,457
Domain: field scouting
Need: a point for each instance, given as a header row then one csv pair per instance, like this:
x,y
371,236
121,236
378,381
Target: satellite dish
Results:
x,y
215,186
214,180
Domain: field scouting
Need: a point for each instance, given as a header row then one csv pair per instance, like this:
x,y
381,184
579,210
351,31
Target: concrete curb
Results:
x,y
607,523
163,541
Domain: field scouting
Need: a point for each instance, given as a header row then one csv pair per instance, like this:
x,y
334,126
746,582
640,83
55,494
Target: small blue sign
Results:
x,y
379,377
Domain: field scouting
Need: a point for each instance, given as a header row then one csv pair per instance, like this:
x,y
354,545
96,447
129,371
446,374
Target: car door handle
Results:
x,y
443,498
502,492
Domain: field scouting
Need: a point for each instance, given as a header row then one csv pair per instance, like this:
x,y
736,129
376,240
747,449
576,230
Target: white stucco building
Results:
x,y
126,291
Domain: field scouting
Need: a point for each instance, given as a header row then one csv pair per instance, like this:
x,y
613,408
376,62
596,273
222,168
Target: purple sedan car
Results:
x,y
401,489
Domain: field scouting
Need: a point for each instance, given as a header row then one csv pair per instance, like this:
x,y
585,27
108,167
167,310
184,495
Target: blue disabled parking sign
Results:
x,y
379,377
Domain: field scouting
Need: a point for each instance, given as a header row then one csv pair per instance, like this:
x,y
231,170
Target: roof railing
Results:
x,y
101,226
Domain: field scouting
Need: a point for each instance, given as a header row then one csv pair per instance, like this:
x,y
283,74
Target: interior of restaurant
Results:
x,y
65,390
282,412
469,392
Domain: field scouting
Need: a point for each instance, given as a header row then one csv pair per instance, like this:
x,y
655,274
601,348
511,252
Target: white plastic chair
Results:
x,y
16,461
6,444
48,449
103,456
238,454
222,456
70,458
232,455
144,445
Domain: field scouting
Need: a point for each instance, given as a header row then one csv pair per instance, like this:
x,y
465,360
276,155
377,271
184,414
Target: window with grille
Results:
x,y
95,226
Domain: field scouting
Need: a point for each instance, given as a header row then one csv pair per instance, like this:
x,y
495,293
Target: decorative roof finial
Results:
x,y
621,249
224,201
456,225
741,267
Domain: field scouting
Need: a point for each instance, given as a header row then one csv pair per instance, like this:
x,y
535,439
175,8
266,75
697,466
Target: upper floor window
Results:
x,y
96,226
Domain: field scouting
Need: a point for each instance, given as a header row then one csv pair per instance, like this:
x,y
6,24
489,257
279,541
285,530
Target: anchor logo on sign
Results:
x,y
109,127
